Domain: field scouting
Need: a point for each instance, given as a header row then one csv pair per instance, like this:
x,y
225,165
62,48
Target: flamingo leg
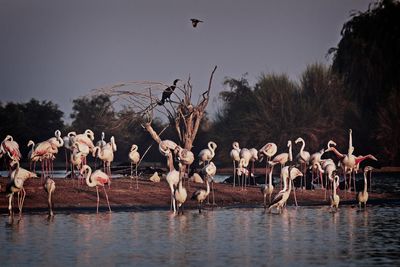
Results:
x,y
98,199
294,194
131,175
212,188
10,200
50,205
234,173
137,178
108,203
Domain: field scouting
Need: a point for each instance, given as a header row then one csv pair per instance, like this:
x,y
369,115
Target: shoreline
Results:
x,y
70,196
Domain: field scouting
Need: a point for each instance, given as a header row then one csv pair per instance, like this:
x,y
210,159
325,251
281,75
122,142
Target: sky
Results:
x,y
61,50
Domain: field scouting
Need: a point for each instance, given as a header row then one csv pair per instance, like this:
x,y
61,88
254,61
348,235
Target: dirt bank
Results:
x,y
71,196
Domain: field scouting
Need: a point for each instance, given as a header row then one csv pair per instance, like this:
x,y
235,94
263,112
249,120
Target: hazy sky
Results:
x,y
60,50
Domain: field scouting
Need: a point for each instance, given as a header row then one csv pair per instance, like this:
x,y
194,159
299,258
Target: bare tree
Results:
x,y
142,98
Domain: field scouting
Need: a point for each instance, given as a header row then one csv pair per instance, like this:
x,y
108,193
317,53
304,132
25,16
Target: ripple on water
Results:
x,y
301,236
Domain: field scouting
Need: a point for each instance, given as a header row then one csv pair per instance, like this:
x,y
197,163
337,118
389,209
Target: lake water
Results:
x,y
303,236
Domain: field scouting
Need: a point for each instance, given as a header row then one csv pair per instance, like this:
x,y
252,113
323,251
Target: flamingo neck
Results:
x,y
365,182
270,176
170,162
89,181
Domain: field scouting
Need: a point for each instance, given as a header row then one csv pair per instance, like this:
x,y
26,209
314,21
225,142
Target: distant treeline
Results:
x,y
359,91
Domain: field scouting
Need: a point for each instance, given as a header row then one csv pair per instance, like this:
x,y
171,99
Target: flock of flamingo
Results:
x,y
78,146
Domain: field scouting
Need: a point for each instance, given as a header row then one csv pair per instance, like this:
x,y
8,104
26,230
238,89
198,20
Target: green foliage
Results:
x,y
33,120
367,58
368,54
95,113
278,109
387,132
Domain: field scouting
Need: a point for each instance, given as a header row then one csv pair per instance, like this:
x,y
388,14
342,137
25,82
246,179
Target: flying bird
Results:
x,y
195,22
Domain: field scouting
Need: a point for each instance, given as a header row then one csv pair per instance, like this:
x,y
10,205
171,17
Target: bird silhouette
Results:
x,y
195,22
168,92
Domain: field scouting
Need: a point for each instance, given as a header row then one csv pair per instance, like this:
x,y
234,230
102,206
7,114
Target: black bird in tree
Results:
x,y
195,22
167,93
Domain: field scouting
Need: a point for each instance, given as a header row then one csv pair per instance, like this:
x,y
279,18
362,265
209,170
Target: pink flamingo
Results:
x,y
11,148
96,179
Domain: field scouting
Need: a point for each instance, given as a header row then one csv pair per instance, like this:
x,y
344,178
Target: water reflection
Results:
x,y
250,237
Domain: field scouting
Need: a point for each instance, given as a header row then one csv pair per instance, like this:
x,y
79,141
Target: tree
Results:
x,y
184,116
95,113
33,120
278,109
368,53
367,58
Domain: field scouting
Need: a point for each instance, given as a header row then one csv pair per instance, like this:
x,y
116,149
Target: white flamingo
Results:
x,y
235,156
281,198
268,189
200,195
303,158
362,196
50,186
207,154
253,159
335,199
16,185
283,158
134,157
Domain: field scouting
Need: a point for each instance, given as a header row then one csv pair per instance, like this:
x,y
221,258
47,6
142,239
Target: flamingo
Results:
x,y
329,168
281,198
50,146
243,172
254,157
30,158
134,157
303,158
172,178
362,196
50,186
166,146
246,155
268,189
11,148
106,154
235,156
207,154
185,158
101,142
77,157
98,178
209,172
180,195
268,150
335,199
85,139
200,195
315,159
283,158
16,185
69,140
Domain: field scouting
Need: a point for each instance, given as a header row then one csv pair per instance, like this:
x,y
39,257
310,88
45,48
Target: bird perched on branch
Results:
x,y
168,92
195,22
